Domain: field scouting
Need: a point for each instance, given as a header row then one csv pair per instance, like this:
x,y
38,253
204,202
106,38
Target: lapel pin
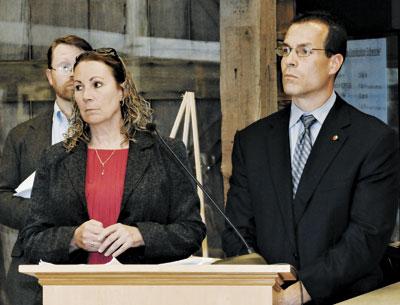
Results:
x,y
335,137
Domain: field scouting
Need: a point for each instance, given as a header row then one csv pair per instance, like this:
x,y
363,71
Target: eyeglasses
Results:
x,y
301,50
63,68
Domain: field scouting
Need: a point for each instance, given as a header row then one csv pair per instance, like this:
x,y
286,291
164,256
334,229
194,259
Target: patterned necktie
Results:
x,y
302,150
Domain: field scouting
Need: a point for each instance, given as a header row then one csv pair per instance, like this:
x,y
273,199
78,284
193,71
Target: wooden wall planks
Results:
x,y
29,26
168,19
14,34
204,20
107,16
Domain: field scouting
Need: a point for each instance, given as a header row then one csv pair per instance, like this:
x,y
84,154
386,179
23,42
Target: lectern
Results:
x,y
158,284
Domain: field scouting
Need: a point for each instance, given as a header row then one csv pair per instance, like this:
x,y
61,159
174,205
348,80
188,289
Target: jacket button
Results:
x,y
296,256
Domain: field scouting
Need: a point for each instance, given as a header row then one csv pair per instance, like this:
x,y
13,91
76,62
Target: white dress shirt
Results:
x,y
296,127
60,125
59,128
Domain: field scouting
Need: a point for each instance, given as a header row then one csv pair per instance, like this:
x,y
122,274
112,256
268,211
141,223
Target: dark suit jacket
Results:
x,y
158,198
22,150
337,227
21,153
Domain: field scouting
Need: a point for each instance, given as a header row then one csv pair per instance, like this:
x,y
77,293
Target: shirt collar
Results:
x,y
58,114
320,113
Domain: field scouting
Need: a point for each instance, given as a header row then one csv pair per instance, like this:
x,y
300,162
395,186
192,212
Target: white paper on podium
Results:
x,y
194,260
114,261
24,190
43,263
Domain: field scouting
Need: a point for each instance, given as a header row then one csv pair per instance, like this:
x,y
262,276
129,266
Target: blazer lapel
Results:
x,y
279,158
75,165
42,128
330,140
138,161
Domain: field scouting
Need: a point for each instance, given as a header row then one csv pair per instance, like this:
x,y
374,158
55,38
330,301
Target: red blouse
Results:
x,y
104,188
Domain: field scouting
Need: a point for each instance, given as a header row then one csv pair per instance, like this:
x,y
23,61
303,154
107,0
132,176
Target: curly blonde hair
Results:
x,y
136,112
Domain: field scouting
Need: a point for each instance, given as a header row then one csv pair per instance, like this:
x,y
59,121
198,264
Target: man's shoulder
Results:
x,y
263,124
366,123
37,122
56,153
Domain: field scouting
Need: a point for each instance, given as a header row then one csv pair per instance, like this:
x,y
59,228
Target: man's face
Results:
x,y
311,76
60,76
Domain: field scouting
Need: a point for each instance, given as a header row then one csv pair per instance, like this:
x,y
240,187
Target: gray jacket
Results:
x,y
158,198
22,150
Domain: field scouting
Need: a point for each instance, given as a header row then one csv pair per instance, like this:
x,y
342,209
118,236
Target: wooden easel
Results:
x,y
188,108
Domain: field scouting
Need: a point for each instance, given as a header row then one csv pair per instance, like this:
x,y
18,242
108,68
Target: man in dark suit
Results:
x,y
315,185
22,150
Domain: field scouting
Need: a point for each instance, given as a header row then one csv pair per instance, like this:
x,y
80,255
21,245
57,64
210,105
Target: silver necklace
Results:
x,y
103,163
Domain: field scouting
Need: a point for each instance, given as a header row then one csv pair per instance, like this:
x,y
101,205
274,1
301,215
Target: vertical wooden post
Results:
x,y
248,68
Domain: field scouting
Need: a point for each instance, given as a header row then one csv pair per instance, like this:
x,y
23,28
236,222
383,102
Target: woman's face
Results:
x,y
97,93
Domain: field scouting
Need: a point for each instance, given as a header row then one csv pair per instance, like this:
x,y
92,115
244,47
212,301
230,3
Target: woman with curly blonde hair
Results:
x,y
111,190
136,112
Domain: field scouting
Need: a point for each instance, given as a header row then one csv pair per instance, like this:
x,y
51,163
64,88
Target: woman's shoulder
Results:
x,y
145,138
57,153
174,143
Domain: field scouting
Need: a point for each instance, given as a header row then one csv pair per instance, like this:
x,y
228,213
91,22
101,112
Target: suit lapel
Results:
x,y
75,165
279,158
42,129
330,140
138,160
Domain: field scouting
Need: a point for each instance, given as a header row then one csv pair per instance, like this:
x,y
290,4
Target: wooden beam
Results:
x,y
285,11
248,81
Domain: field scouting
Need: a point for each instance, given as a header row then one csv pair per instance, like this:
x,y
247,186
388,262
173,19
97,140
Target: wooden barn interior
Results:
x,y
222,50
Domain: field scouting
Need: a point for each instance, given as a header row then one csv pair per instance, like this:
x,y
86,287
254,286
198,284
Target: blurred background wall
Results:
x,y
171,46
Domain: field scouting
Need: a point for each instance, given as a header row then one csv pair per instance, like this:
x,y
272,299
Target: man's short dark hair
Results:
x,y
71,40
336,40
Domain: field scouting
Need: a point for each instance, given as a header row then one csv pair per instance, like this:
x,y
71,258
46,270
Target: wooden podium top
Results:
x,y
159,284
389,295
158,274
